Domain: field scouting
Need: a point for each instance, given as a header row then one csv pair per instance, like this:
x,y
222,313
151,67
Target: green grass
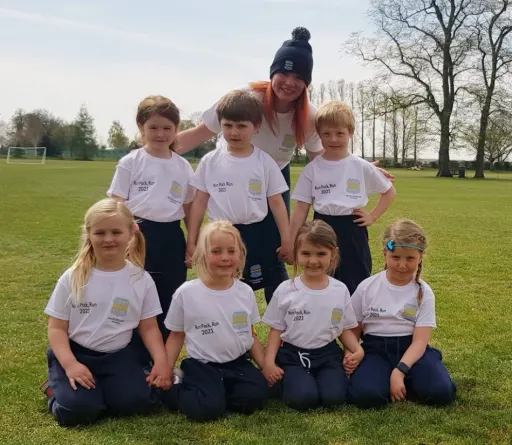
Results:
x,y
468,264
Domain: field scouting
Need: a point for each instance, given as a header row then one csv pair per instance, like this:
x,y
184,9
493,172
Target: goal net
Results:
x,y
26,155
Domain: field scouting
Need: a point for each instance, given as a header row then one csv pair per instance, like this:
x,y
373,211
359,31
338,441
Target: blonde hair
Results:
x,y
320,233
157,106
85,259
406,231
200,257
335,114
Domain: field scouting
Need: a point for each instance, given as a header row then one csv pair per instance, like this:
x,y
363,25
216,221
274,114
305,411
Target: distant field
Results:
x,y
468,264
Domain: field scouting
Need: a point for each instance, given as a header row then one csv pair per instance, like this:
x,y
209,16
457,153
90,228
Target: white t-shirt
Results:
x,y
238,187
392,311
112,305
154,188
336,188
310,319
217,324
281,145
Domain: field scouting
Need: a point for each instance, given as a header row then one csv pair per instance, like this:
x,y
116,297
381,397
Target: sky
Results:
x,y
110,54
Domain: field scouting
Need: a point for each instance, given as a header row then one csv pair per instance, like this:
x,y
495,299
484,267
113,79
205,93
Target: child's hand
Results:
x,y
384,172
397,386
191,248
79,373
160,376
286,252
273,373
365,219
352,359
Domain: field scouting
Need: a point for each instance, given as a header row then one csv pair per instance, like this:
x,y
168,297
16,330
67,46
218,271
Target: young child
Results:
x,y
306,315
95,307
214,315
396,313
154,183
234,182
337,184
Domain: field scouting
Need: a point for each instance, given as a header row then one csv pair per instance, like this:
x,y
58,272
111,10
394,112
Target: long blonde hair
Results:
x,y
200,257
406,231
85,259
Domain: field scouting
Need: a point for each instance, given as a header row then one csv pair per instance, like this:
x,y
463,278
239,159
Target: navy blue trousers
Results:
x,y
355,257
121,387
312,377
209,390
428,382
165,262
279,272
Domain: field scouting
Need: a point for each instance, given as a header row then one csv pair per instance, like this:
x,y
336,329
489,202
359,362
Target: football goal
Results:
x,y
26,155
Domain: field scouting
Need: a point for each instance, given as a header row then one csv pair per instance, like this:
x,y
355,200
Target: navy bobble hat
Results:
x,y
295,56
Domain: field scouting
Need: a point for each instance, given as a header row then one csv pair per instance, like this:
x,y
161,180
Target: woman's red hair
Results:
x,y
300,118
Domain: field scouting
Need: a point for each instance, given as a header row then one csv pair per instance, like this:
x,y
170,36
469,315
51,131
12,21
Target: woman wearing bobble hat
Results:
x,y
289,118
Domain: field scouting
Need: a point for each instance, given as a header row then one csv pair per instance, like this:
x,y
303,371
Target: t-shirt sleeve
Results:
x,y
349,315
303,188
151,304
427,311
59,304
313,142
255,312
275,179
175,319
198,180
275,313
121,181
210,119
191,191
357,303
374,180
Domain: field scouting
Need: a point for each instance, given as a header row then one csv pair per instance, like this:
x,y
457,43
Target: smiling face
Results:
x,y
315,260
335,140
287,87
402,263
158,132
223,257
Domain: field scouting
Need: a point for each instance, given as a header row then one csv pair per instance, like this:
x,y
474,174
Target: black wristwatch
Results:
x,y
403,368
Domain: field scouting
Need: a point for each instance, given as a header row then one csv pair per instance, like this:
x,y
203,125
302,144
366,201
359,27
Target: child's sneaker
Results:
x,y
45,387
177,376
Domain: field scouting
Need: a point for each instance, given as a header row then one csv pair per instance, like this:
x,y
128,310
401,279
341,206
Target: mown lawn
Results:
x,y
468,264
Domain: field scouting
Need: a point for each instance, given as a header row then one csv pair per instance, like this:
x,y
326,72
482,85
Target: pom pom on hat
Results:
x,y
301,33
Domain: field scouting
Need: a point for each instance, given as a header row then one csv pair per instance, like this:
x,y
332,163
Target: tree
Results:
x,y
425,43
83,140
492,30
117,138
361,100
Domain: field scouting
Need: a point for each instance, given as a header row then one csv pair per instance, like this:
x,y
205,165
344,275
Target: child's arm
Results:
x,y
257,352
420,339
173,347
367,219
195,219
189,139
278,208
160,375
118,198
352,358
271,371
299,216
59,342
186,208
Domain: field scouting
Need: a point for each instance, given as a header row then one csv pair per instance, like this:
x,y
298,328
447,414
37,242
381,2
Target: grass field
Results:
x,y
468,264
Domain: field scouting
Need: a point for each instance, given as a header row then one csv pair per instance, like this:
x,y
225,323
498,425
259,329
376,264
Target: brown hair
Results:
x,y
335,114
199,259
405,231
300,117
240,105
157,106
85,259
320,233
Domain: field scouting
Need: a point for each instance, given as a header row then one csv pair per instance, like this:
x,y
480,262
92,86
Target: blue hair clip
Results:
x,y
390,245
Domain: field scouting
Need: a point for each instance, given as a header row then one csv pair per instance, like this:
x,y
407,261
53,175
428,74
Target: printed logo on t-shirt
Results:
x,y
288,65
353,186
120,307
255,186
409,312
176,191
240,320
288,143
337,316
255,271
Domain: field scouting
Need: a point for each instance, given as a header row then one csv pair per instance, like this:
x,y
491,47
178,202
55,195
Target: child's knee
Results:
x,y
77,411
439,393
366,396
301,399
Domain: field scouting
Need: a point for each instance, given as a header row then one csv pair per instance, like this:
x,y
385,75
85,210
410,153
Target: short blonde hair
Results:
x,y
335,114
200,257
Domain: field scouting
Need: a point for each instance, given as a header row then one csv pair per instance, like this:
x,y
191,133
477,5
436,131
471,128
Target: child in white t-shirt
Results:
x,y
337,184
396,314
154,183
95,307
234,182
214,316
306,316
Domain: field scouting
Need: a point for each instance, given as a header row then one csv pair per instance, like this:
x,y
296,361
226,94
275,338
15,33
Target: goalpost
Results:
x,y
26,155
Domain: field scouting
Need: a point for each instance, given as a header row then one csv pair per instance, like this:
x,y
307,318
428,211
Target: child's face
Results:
x,y
402,263
224,255
314,259
109,238
238,134
335,139
287,86
159,132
